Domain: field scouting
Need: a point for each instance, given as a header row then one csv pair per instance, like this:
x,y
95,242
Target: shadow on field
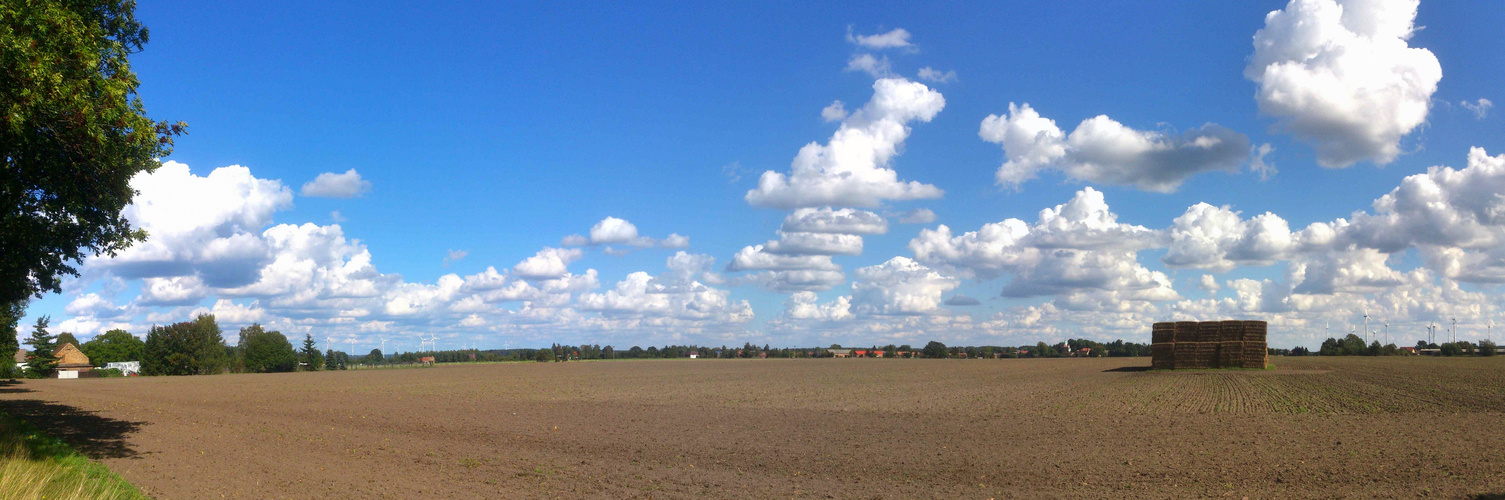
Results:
x,y
1128,369
93,436
9,387
1490,496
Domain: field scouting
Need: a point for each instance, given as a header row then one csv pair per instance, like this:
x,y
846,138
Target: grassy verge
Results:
x,y
35,465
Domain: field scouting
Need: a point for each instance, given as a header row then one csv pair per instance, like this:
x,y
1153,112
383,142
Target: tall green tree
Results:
x,y
67,338
266,351
374,357
935,349
113,346
188,348
73,132
336,360
42,362
312,359
10,316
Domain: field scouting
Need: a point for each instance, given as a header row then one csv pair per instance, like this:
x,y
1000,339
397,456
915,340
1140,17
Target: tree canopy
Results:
x,y
113,346
266,351
10,316
67,338
935,349
188,348
41,362
73,132
312,359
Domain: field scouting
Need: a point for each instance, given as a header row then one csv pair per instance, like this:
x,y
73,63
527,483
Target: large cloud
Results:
x,y
805,306
840,221
852,169
815,244
205,226
785,273
900,286
1105,151
1217,238
1339,75
1077,251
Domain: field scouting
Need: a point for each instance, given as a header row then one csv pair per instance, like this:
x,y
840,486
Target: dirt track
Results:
x,y
1313,427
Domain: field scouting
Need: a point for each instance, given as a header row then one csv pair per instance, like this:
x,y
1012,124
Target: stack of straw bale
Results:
x,y
1194,345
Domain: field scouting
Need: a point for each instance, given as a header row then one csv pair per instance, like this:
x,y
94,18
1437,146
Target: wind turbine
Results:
x,y
383,345
1387,333
1366,326
1454,331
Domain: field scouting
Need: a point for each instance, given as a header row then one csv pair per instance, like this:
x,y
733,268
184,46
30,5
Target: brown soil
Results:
x,y
1323,427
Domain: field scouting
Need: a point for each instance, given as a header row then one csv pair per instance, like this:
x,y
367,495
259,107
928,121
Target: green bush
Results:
x,y
9,370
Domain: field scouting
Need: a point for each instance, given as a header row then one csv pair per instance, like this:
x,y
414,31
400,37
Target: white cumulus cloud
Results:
x,y
548,263
900,286
852,169
1341,76
1077,251
620,232
1105,151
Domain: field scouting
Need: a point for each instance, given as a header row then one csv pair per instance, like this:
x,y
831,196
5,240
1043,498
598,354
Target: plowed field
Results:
x,y
1311,427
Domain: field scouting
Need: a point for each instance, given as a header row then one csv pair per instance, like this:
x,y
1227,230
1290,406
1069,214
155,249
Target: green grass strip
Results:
x,y
34,464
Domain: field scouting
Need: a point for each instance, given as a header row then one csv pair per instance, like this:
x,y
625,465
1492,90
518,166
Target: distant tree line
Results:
x,y
1353,345
194,347
933,349
1461,348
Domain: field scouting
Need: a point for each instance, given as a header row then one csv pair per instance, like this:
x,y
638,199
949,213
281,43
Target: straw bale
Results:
x,y
1209,331
1186,331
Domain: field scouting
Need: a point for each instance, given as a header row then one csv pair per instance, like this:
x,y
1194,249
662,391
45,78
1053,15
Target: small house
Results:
x,y
71,361
21,358
840,353
694,354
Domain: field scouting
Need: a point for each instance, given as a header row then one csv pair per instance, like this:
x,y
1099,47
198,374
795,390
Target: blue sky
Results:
x,y
498,131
